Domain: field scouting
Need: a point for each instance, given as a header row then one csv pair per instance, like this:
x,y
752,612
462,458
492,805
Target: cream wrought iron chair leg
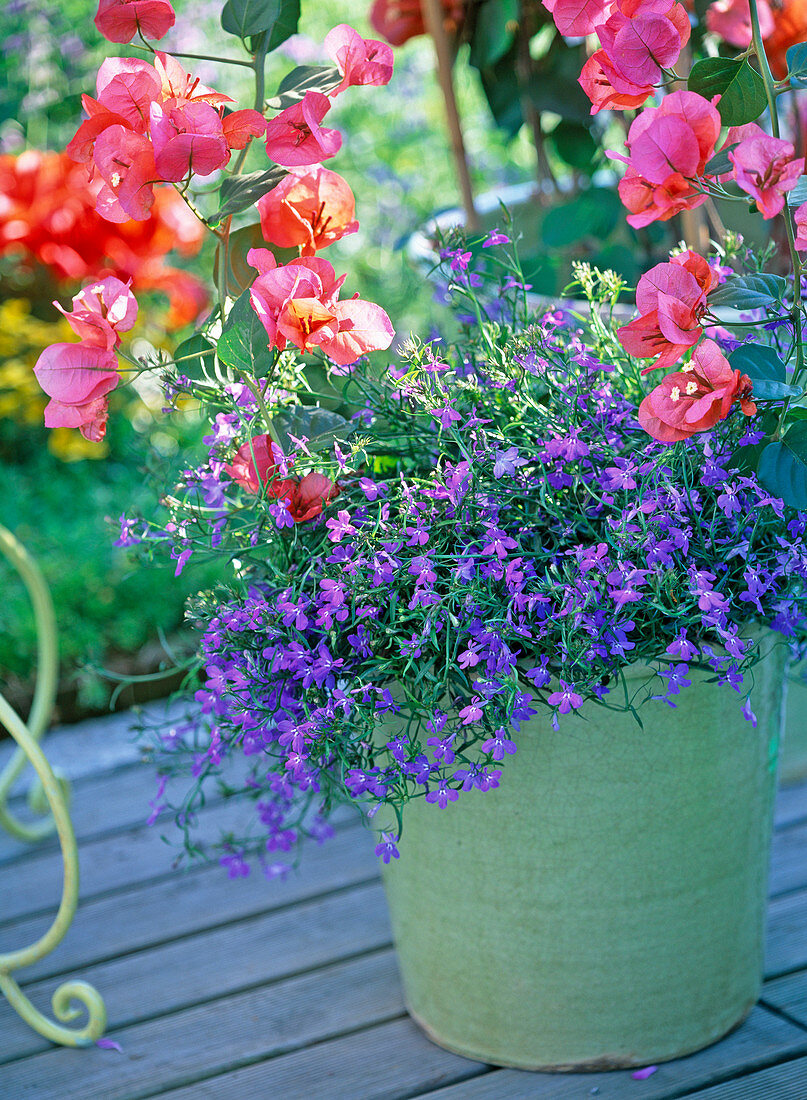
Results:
x,y
65,1008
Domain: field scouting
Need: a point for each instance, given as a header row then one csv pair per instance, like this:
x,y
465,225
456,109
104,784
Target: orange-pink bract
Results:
x,y
695,398
310,209
256,468
120,20
671,299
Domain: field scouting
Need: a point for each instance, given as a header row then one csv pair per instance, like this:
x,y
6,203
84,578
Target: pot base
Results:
x,y
595,1065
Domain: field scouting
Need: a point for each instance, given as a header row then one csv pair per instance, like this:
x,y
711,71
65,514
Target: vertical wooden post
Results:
x,y
433,19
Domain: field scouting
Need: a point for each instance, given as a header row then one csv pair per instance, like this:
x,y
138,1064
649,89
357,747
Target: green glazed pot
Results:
x,y
793,765
605,906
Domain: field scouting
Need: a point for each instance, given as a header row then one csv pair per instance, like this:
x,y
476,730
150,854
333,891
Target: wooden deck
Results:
x,y
288,991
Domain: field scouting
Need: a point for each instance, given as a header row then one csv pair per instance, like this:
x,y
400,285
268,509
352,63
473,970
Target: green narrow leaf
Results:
x,y
766,370
720,164
782,467
750,291
305,78
239,193
245,18
739,85
797,65
243,341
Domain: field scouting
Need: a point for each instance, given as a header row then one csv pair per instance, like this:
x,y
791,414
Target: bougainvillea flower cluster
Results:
x,y
731,21
358,60
299,303
696,397
765,167
150,123
256,467
639,40
671,300
399,20
122,20
157,123
78,377
668,146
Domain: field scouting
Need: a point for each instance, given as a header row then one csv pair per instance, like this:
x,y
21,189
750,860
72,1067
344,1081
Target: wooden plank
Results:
x,y
789,995
386,1062
227,960
762,1040
98,744
784,1082
789,860
791,805
99,804
786,944
118,860
186,903
229,1033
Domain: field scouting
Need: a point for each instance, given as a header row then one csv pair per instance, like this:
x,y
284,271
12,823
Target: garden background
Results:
x,y
63,496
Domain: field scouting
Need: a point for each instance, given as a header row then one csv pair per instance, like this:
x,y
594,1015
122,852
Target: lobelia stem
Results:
x,y
770,94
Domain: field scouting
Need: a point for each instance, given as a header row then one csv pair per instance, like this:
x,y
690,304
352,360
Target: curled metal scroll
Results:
x,y
71,999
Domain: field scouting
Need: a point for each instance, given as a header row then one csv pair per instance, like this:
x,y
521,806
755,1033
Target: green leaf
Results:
x,y
243,341
552,87
321,427
750,291
195,357
739,85
493,35
782,468
305,78
797,65
720,164
238,193
244,18
799,193
575,145
766,370
594,213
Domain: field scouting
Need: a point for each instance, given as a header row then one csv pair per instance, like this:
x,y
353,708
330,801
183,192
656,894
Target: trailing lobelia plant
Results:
x,y
494,535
